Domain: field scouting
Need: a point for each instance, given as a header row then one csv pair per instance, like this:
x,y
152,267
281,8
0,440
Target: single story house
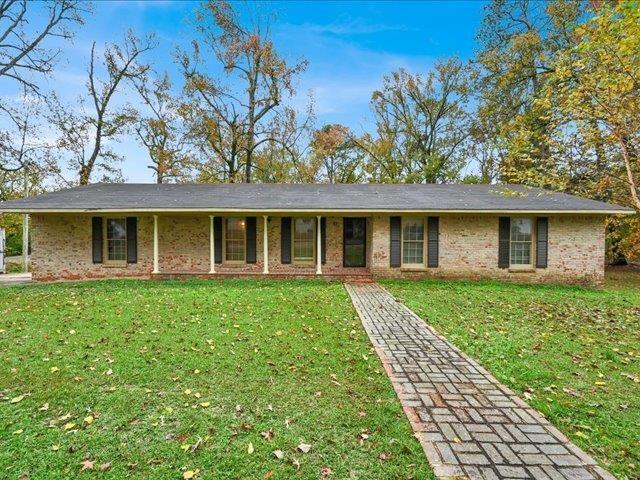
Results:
x,y
506,232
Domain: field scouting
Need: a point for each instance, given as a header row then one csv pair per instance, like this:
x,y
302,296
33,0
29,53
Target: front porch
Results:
x,y
275,246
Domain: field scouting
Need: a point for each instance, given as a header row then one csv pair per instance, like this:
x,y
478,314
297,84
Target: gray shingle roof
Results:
x,y
307,197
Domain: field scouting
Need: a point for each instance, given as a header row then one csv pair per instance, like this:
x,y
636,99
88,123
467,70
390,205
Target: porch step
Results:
x,y
347,278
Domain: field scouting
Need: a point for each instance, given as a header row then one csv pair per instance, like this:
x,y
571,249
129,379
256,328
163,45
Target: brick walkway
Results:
x,y
469,424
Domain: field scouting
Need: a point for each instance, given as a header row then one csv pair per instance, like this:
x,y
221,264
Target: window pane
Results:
x,y
116,239
413,241
303,239
521,229
235,239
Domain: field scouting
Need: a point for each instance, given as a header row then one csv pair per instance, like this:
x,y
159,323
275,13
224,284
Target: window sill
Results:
x,y
522,270
115,265
417,268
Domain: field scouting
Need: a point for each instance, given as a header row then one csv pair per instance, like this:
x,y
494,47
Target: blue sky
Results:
x,y
349,46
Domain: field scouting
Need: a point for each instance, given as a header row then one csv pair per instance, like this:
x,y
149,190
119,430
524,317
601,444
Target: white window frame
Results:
x,y
224,241
523,266
105,233
303,261
424,243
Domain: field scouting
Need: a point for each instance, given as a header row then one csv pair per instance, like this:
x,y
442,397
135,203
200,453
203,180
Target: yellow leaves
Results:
x,y
196,371
250,448
54,369
205,404
189,474
55,447
88,420
187,391
17,399
68,426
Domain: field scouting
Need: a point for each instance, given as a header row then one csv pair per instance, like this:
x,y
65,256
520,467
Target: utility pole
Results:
x,y
25,224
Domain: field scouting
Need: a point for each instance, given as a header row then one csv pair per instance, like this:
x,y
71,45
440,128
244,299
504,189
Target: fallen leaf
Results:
x,y
189,474
384,456
68,426
279,454
87,465
326,472
105,466
571,391
304,447
18,432
44,407
54,369
268,475
88,419
268,434
17,399
205,404
250,448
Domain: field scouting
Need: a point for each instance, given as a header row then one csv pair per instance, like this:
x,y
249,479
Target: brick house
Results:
x,y
505,232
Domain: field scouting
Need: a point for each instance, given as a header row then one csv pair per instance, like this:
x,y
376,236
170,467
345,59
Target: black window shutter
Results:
x,y
323,239
433,226
132,240
395,224
96,239
542,242
285,240
504,236
217,238
251,240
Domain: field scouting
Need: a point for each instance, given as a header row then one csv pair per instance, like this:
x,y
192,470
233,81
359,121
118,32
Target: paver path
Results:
x,y
469,424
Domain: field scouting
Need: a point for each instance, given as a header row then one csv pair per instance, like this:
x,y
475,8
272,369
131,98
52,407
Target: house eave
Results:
x,y
316,211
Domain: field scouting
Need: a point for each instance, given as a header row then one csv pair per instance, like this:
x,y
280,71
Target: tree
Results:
x,y
426,119
234,116
84,129
160,129
332,150
24,39
518,41
597,84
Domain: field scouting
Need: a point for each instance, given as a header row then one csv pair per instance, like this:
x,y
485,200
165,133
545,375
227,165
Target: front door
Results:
x,y
354,242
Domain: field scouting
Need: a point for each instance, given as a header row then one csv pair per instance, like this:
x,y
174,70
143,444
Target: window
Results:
x,y
235,230
521,234
413,241
303,240
116,239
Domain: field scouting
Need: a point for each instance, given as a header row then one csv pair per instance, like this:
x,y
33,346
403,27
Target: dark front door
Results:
x,y
354,242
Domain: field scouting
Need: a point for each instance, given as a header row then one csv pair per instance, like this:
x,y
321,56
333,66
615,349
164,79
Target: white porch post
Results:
x,y
155,244
319,249
265,245
212,246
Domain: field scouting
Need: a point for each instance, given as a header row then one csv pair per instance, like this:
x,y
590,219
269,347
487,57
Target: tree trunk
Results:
x,y
633,185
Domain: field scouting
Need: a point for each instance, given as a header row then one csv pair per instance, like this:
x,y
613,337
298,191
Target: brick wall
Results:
x,y
469,249
61,247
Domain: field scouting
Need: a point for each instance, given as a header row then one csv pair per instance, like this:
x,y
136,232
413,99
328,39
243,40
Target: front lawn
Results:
x,y
168,380
572,353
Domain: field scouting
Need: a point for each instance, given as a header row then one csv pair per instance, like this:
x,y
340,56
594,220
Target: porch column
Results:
x,y
265,245
155,244
319,248
212,246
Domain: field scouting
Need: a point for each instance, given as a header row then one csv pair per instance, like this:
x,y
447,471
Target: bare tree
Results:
x,y
23,50
160,129
84,135
234,115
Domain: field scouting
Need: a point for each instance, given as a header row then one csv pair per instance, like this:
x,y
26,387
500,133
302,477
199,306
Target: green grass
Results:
x,y
573,353
289,358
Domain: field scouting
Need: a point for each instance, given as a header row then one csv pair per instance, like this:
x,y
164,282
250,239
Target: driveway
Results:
x,y
469,424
